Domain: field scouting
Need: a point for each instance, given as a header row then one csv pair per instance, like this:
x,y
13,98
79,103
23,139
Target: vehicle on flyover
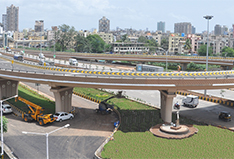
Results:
x,y
35,113
18,57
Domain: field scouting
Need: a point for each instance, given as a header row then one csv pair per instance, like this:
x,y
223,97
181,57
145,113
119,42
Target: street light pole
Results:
x,y
207,17
2,152
47,137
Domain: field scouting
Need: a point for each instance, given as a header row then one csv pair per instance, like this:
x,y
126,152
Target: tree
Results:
x,y
202,50
124,37
96,42
82,44
188,45
142,39
164,44
66,36
4,124
227,52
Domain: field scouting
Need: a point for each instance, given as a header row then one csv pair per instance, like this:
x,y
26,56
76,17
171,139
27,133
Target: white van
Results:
x,y
191,101
73,62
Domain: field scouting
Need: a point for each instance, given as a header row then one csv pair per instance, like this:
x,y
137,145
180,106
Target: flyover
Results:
x,y
63,80
227,63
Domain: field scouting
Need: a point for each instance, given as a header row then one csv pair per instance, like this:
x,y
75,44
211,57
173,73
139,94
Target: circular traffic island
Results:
x,y
173,132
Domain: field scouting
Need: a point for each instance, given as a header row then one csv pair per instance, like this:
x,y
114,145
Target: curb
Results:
x,y
209,99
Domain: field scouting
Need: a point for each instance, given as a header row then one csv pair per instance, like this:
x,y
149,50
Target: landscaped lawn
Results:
x,y
210,142
35,98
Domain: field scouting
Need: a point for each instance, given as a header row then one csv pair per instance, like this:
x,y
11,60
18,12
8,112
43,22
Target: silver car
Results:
x,y
6,108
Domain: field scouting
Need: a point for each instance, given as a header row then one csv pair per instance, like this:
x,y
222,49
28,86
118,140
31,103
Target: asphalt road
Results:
x,y
86,133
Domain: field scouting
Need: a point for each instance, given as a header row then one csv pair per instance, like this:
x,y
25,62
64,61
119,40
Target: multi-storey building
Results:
x,y
4,21
131,48
194,42
184,27
161,26
18,35
176,44
39,26
104,25
12,18
217,29
193,30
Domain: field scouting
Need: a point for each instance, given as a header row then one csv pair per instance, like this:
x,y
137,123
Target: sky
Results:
x,y
135,14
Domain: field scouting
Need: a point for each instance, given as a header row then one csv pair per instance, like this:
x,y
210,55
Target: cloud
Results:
x,y
180,17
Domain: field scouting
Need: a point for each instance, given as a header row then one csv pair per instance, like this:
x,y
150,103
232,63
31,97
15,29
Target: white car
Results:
x,y
60,116
6,108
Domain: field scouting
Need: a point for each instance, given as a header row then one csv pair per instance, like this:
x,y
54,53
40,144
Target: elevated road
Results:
x,y
144,58
116,80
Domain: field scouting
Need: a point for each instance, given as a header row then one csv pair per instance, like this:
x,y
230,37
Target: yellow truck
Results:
x,y
35,113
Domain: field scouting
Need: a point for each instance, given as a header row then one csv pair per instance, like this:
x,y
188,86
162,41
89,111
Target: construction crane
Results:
x,y
35,113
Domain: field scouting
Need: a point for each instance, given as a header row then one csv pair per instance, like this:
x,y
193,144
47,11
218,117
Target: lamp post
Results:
x,y
47,136
2,152
207,17
166,59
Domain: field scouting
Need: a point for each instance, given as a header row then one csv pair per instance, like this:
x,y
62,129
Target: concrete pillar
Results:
x,y
63,98
184,66
16,45
166,105
8,88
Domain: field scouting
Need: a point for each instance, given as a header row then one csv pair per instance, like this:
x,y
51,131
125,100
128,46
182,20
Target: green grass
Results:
x,y
94,93
133,139
33,97
210,142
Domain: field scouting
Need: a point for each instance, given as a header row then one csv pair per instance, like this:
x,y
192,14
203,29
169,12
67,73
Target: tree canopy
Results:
x,y
202,50
227,52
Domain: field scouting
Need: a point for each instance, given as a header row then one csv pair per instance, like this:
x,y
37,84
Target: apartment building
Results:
x,y
176,44
104,25
18,35
12,19
39,26
184,27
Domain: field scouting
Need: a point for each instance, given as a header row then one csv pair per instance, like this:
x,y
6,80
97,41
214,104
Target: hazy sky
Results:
x,y
138,14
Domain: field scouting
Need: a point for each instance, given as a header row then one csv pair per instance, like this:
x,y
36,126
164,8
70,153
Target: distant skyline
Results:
x,y
136,14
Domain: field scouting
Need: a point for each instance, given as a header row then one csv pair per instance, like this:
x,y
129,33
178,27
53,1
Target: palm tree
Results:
x,y
187,45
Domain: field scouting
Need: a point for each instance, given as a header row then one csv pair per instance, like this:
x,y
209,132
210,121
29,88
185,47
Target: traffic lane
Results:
x,y
227,94
86,133
61,145
207,112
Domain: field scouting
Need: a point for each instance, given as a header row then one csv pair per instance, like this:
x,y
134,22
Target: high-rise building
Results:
x,y
161,26
4,21
193,30
39,26
217,29
12,18
104,25
224,30
184,27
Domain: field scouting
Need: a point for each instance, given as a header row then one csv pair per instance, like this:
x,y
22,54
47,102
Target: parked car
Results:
x,y
224,115
6,108
60,116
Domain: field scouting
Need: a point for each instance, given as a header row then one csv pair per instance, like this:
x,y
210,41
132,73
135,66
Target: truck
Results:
x,y
190,101
148,68
104,107
35,113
